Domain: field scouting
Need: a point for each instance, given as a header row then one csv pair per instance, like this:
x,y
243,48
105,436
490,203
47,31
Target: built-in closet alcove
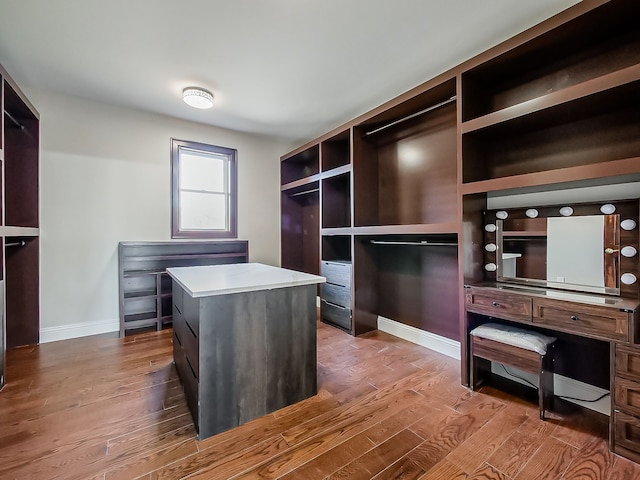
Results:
x,y
19,229
411,279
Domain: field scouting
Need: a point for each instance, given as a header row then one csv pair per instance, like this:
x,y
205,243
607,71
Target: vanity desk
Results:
x,y
575,279
610,319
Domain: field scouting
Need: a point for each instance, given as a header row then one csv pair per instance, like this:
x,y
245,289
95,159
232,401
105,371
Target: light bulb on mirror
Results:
x,y
628,224
628,278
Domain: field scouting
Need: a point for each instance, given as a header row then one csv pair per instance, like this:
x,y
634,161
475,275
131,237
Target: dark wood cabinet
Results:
x,y
19,218
145,287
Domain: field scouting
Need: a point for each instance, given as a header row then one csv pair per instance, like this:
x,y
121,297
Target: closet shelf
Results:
x,y
437,228
556,99
294,186
19,232
335,172
598,171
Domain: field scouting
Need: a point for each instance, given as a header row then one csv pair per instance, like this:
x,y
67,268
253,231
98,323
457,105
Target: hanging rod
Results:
x,y
305,192
17,123
413,115
21,243
419,244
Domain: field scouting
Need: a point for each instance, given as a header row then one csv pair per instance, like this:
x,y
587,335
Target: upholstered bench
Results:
x,y
526,350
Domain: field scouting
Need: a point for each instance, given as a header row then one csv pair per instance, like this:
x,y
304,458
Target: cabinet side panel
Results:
x,y
291,346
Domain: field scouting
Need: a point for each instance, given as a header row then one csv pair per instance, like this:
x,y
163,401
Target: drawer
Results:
x,y
177,294
498,304
178,331
336,294
338,273
627,396
335,314
190,345
627,436
588,320
628,362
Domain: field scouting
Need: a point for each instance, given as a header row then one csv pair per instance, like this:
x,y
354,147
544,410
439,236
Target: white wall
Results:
x,y
105,178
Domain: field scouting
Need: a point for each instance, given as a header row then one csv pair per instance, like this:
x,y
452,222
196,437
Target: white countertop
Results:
x,y
237,278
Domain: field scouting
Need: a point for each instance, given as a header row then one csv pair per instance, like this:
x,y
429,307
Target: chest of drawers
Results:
x,y
335,306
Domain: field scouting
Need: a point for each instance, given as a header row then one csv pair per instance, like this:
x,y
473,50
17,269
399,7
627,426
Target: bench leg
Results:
x,y
545,392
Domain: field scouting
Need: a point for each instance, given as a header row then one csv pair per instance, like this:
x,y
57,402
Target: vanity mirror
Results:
x,y
582,247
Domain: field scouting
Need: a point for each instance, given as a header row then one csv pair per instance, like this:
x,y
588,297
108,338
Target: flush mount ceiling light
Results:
x,y
197,97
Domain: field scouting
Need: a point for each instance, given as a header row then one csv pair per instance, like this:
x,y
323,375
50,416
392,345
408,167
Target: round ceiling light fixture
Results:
x,y
197,97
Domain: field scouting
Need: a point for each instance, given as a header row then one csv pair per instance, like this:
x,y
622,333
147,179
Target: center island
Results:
x,y
244,341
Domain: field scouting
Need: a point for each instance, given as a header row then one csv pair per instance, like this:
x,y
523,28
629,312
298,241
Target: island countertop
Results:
x,y
204,281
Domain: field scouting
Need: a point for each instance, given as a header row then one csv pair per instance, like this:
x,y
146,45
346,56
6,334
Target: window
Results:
x,y
204,190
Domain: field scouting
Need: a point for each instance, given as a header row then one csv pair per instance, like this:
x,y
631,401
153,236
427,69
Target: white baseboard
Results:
x,y
440,344
563,386
76,330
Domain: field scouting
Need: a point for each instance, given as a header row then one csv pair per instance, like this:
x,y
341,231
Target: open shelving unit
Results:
x,y
19,219
556,107
145,287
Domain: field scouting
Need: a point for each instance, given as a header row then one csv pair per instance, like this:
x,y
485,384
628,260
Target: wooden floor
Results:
x,y
105,408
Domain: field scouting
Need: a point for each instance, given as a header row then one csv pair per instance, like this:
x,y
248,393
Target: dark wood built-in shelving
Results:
x,y
145,287
401,192
19,219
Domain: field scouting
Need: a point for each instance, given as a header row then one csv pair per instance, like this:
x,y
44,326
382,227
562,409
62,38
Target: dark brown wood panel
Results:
x,y
418,286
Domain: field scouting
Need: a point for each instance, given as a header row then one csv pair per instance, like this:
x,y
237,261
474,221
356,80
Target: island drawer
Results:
x,y
499,304
628,362
336,294
336,314
589,320
177,294
191,348
337,273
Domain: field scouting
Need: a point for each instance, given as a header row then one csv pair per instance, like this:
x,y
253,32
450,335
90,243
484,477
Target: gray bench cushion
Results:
x,y
517,337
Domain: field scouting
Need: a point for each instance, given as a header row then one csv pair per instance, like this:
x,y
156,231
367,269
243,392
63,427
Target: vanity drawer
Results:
x,y
628,362
627,436
336,314
337,294
498,304
338,273
627,396
583,319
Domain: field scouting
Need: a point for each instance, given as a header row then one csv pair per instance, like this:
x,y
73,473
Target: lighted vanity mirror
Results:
x,y
578,253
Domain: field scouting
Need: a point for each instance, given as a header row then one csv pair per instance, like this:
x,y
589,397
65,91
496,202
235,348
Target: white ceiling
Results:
x,y
291,68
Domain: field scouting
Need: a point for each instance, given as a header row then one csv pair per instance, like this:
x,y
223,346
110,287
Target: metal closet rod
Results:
x,y
21,243
10,117
413,115
419,244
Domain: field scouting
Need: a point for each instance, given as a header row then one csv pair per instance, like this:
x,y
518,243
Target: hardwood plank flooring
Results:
x,y
110,409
